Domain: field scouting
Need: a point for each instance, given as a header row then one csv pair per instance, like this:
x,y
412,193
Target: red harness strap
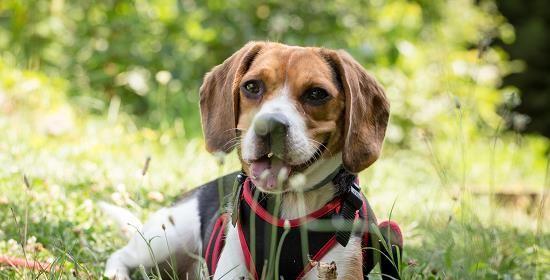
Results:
x,y
266,216
216,242
332,206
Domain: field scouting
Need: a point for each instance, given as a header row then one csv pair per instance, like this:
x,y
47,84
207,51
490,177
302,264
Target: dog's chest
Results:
x,y
232,263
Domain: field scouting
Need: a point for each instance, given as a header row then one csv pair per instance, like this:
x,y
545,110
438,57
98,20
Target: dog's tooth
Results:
x,y
269,155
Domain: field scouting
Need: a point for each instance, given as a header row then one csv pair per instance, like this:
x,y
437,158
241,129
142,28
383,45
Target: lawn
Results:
x,y
469,207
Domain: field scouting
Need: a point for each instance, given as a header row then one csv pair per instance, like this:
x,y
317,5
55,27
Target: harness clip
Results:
x,y
354,197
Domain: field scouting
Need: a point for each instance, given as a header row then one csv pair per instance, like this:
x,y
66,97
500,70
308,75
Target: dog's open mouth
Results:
x,y
270,172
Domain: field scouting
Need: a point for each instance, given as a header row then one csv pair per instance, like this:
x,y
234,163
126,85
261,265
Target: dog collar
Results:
x,y
327,179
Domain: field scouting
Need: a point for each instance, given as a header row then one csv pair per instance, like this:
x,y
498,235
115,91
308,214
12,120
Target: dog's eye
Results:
x,y
253,88
316,96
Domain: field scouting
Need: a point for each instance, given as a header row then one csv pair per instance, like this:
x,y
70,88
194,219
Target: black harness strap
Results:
x,y
347,188
257,228
333,224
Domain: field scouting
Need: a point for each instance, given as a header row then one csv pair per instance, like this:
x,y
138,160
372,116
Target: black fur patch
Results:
x,y
213,197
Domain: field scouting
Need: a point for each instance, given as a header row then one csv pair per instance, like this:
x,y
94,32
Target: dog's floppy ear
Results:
x,y
219,103
366,114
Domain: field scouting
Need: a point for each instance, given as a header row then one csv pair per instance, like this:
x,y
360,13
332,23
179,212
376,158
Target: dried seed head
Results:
x,y
286,224
220,158
283,175
171,220
26,181
458,104
412,262
297,181
146,166
155,196
327,271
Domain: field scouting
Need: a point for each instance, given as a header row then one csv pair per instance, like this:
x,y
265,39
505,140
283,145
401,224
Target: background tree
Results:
x,y
531,22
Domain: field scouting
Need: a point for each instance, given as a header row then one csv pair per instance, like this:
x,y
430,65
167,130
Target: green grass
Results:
x,y
452,227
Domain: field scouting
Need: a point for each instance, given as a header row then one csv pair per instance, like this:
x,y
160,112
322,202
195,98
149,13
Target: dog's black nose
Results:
x,y
272,128
273,123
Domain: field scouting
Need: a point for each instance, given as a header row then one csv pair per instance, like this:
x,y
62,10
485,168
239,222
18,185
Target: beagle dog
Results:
x,y
296,115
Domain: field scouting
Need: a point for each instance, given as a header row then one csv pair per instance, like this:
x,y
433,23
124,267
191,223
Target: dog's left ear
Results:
x,y
366,115
219,103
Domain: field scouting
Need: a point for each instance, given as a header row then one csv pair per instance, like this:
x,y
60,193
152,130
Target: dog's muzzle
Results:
x,y
272,129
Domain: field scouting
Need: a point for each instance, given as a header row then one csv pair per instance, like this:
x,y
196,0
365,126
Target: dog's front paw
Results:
x,y
115,270
117,274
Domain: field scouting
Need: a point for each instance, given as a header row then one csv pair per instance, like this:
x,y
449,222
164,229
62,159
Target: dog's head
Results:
x,y
289,108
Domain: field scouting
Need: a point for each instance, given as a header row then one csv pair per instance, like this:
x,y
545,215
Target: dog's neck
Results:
x,y
307,196
295,205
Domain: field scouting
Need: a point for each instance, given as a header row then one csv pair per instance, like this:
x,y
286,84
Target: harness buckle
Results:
x,y
353,196
351,203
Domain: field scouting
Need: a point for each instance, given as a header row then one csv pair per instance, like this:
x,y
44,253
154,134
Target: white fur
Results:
x,y
125,219
318,171
232,263
183,235
342,256
300,202
300,149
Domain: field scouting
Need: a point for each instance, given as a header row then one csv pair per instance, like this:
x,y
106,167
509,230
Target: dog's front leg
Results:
x,y
168,231
232,263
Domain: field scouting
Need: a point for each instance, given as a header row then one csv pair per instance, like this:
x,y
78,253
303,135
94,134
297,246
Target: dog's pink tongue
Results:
x,y
265,172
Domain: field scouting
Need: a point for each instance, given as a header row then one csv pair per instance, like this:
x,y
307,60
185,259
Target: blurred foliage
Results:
x,y
531,49
152,55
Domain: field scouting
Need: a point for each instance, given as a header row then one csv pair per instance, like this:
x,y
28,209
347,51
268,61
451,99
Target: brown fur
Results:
x,y
367,112
218,98
358,112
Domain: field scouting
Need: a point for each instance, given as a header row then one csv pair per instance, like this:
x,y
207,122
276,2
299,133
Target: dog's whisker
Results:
x,y
234,140
234,145
321,145
318,146
231,143
234,128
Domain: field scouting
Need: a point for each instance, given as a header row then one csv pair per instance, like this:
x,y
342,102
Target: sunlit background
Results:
x,y
89,90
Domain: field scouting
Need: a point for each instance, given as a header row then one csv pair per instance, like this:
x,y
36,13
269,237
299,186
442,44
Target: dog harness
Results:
x,y
293,244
